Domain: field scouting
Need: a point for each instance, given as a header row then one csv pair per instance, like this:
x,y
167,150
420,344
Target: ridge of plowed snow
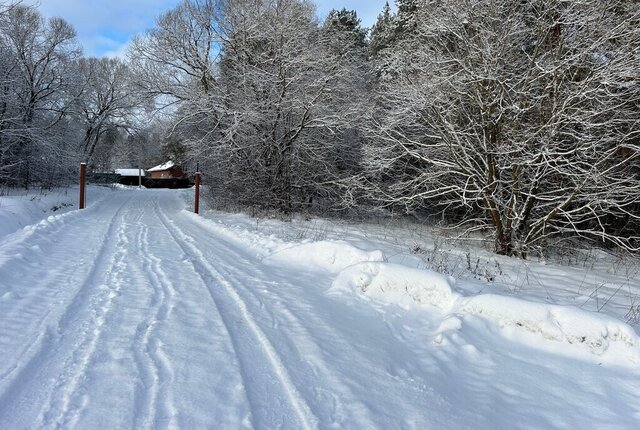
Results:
x,y
22,211
333,256
408,287
29,218
398,284
326,255
366,272
567,324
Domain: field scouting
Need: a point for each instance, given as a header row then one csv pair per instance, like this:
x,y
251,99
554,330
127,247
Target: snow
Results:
x,y
20,209
169,164
406,287
137,313
394,283
325,255
131,172
597,332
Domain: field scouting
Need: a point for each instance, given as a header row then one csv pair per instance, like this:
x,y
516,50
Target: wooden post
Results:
x,y
139,177
196,205
83,177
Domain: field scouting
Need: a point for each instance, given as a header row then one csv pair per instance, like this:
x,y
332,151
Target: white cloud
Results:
x,y
105,46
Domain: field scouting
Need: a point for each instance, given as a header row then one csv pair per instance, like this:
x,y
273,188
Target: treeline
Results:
x,y
57,107
515,119
519,119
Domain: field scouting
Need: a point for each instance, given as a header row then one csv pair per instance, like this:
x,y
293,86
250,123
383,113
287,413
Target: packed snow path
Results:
x,y
130,314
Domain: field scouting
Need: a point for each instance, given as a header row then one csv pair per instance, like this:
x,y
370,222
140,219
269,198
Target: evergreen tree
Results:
x,y
405,22
174,150
382,33
346,25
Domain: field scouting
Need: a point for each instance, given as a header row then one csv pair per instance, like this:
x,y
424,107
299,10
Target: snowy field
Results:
x,y
136,313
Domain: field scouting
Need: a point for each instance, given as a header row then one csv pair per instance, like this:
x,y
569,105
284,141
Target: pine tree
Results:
x,y
382,33
405,22
347,24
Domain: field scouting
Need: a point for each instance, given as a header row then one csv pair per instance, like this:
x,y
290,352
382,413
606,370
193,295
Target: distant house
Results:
x,y
167,170
130,176
130,172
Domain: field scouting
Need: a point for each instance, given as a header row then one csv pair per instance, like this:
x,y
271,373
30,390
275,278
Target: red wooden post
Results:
x,y
83,176
196,206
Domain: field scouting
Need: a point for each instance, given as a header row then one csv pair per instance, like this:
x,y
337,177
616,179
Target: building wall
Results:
x,y
173,172
161,174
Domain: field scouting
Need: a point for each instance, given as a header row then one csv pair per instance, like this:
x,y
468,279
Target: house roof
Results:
x,y
130,172
169,164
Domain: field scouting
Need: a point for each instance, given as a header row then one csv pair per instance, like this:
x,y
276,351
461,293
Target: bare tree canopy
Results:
x,y
518,121
517,117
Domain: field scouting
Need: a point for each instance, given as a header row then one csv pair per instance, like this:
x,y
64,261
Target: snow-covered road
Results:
x,y
132,314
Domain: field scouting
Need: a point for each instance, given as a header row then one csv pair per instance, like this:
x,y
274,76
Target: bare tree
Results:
x,y
36,92
283,80
175,67
108,100
251,82
178,56
518,117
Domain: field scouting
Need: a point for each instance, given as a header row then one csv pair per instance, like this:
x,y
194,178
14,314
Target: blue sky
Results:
x,y
105,27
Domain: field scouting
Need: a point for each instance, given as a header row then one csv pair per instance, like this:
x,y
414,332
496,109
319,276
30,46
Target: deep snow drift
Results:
x,y
136,313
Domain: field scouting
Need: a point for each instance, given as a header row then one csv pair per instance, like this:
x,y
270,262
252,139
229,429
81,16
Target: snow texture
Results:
x,y
406,287
136,313
325,255
398,284
131,172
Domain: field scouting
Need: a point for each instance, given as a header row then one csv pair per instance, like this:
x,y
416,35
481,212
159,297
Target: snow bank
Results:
x,y
597,332
556,328
24,209
27,212
398,284
407,287
15,214
333,256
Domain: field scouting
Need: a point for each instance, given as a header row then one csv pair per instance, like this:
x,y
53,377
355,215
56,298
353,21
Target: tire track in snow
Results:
x,y
309,352
42,292
146,395
150,358
258,358
199,342
291,307
303,345
64,406
41,352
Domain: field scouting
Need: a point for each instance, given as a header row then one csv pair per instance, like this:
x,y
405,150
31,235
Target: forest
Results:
x,y
515,121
